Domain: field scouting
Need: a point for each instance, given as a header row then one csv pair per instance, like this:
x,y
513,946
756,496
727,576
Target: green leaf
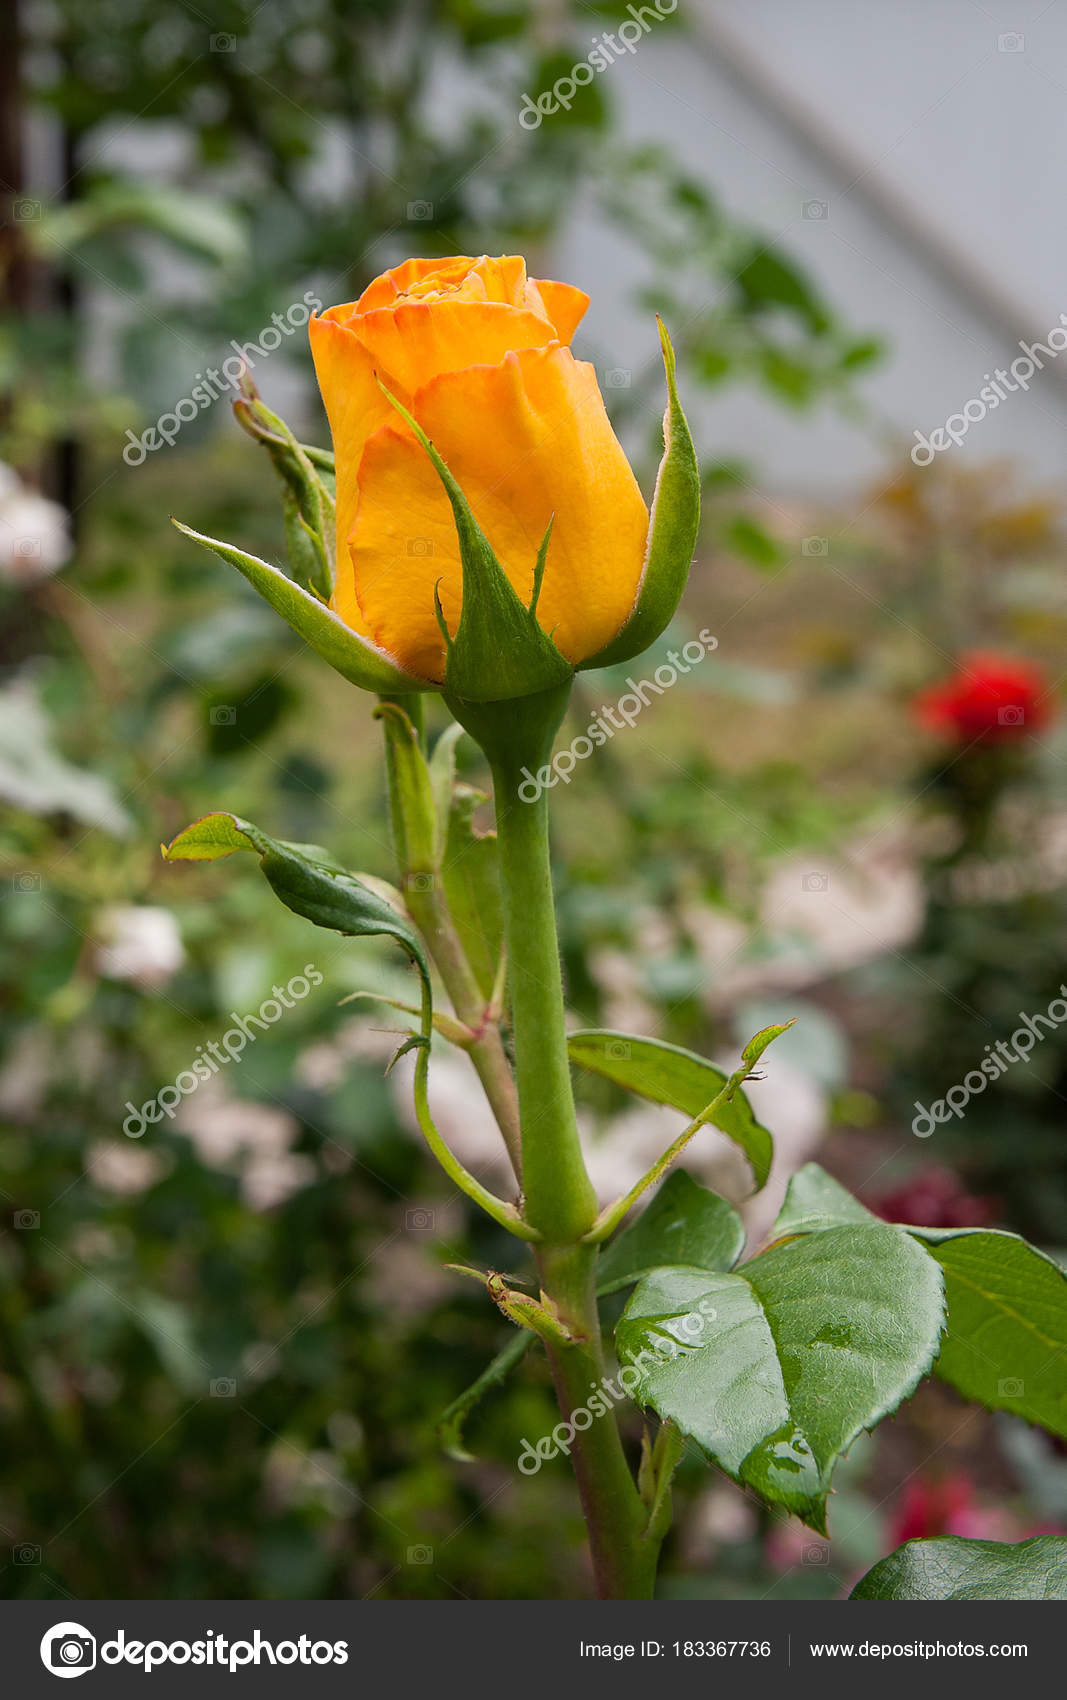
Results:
x,y
776,1368
412,805
669,1075
302,876
744,536
814,1200
442,766
1005,1339
866,351
202,224
952,1569
685,1224
768,280
311,885
350,655
470,871
766,1036
672,532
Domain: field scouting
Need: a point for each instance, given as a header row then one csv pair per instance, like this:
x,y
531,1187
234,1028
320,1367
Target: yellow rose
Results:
x,y
479,354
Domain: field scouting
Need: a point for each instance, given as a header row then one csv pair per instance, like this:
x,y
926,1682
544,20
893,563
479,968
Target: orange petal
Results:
x,y
355,406
416,341
564,306
526,439
391,284
459,276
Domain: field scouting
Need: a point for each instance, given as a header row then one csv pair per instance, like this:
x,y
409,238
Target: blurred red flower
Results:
x,y
992,697
948,1506
935,1198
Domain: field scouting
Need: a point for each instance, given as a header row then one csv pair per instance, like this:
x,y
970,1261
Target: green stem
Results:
x,y
623,1548
428,907
430,913
558,1194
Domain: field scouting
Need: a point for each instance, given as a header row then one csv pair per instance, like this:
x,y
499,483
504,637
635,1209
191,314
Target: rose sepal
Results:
x,y
325,632
672,532
499,650
307,481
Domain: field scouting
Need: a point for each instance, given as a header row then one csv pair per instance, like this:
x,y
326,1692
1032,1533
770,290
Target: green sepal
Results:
x,y
672,532
324,631
308,502
499,649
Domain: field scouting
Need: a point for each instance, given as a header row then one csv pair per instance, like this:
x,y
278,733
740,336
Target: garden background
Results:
x,y
226,1341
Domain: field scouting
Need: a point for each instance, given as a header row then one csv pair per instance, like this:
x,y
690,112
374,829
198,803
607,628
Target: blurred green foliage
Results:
x,y
213,171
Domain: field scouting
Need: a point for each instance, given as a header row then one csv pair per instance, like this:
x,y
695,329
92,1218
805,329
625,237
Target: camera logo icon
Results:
x,y
68,1649
26,209
420,1220
816,882
419,882
1011,1387
818,210
27,1218
1011,715
815,546
420,1555
223,715
27,547
1011,42
224,44
26,882
26,1554
223,1387
420,546
617,1049
618,378
420,212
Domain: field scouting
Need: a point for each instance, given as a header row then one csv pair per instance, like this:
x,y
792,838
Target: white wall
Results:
x,y
972,138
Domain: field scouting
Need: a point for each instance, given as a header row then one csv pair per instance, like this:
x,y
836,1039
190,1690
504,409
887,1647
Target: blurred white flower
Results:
x,y
270,1178
721,1516
248,1139
124,1168
34,532
138,943
222,1128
